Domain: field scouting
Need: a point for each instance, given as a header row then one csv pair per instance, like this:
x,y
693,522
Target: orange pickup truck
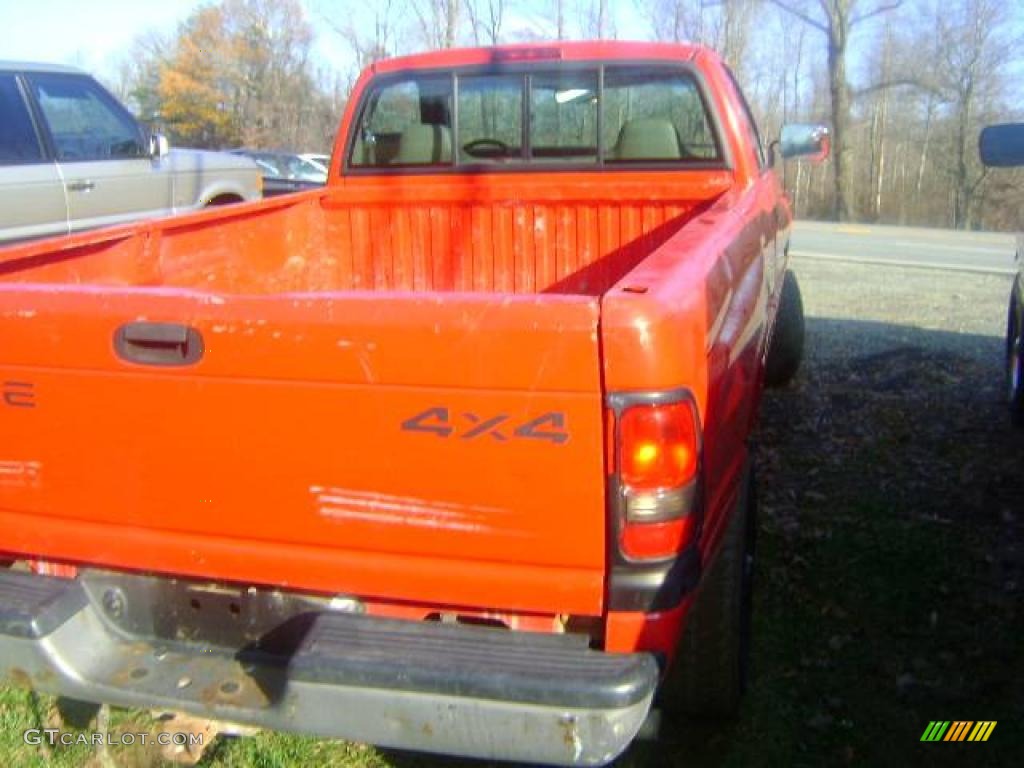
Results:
x,y
450,455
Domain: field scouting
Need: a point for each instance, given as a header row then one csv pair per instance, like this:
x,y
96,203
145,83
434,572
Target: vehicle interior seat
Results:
x,y
647,138
424,143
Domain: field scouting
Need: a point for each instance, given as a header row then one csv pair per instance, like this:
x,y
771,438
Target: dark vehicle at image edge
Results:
x,y
1002,146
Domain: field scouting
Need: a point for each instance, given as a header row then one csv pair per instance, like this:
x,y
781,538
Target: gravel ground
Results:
x,y
857,309
903,381
892,489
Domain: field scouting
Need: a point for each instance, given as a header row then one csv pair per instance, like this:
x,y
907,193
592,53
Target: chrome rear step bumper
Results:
x,y
453,689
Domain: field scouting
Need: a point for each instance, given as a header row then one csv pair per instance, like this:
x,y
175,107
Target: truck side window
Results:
x,y
406,123
85,123
490,117
655,116
563,117
18,141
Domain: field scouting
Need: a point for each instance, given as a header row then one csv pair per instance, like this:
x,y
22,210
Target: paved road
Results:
x,y
905,246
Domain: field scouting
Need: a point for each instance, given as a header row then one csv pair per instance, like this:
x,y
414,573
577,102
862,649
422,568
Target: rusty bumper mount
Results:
x,y
454,689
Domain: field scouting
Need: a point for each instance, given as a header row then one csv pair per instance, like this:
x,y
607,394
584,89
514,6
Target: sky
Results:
x,y
91,34
95,34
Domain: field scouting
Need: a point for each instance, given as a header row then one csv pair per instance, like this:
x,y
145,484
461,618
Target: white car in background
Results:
x,y
73,158
321,161
286,172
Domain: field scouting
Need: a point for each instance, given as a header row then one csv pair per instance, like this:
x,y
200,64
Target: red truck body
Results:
x,y
407,391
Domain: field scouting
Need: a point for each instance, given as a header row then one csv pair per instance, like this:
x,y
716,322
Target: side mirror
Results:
x,y
1002,146
158,145
805,140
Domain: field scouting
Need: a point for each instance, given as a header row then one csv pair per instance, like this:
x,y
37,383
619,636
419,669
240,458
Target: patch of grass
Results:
x,y
22,710
274,750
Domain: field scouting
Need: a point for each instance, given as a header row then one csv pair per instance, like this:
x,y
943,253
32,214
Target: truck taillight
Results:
x,y
659,446
658,453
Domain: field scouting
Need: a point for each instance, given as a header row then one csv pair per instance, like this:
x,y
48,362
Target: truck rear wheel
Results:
x,y
787,346
712,663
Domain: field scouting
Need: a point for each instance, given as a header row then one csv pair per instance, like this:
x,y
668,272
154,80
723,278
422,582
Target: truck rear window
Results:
x,y
616,115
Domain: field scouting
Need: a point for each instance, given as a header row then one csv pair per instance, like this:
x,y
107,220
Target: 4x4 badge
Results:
x,y
466,426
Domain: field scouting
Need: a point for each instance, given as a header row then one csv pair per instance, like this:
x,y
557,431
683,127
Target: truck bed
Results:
x,y
493,234
387,372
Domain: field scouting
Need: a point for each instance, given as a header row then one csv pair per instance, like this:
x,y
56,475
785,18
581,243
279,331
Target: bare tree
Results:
x,y
836,19
972,46
878,134
671,21
369,42
139,74
486,18
438,22
596,20
724,25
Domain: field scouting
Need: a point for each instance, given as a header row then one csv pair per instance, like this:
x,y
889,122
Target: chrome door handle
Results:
x,y
82,186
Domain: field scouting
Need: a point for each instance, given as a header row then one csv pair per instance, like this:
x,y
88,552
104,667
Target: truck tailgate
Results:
x,y
402,446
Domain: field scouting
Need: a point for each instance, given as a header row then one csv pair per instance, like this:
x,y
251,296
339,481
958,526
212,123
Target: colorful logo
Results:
x,y
960,730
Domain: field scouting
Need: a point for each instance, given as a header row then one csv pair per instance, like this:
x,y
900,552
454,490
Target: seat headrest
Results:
x,y
424,143
648,139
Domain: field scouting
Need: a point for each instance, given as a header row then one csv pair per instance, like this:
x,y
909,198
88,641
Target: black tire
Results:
x,y
787,346
223,200
1015,362
712,664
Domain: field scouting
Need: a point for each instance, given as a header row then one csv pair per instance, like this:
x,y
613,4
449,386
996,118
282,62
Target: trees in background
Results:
x,y
905,84
238,72
486,18
438,21
725,25
971,49
837,20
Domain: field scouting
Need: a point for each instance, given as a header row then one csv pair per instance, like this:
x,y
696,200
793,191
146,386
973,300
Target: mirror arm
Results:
x,y
772,151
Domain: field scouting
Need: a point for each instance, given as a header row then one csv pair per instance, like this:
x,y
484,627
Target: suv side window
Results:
x,y
85,123
18,141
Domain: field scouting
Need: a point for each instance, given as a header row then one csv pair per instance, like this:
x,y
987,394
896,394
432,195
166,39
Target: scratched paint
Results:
x,y
388,509
20,474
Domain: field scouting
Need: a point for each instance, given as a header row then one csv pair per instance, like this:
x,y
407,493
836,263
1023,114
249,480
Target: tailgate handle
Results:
x,y
158,343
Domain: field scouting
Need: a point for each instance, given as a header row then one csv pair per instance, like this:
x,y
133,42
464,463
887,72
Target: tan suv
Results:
x,y
72,158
